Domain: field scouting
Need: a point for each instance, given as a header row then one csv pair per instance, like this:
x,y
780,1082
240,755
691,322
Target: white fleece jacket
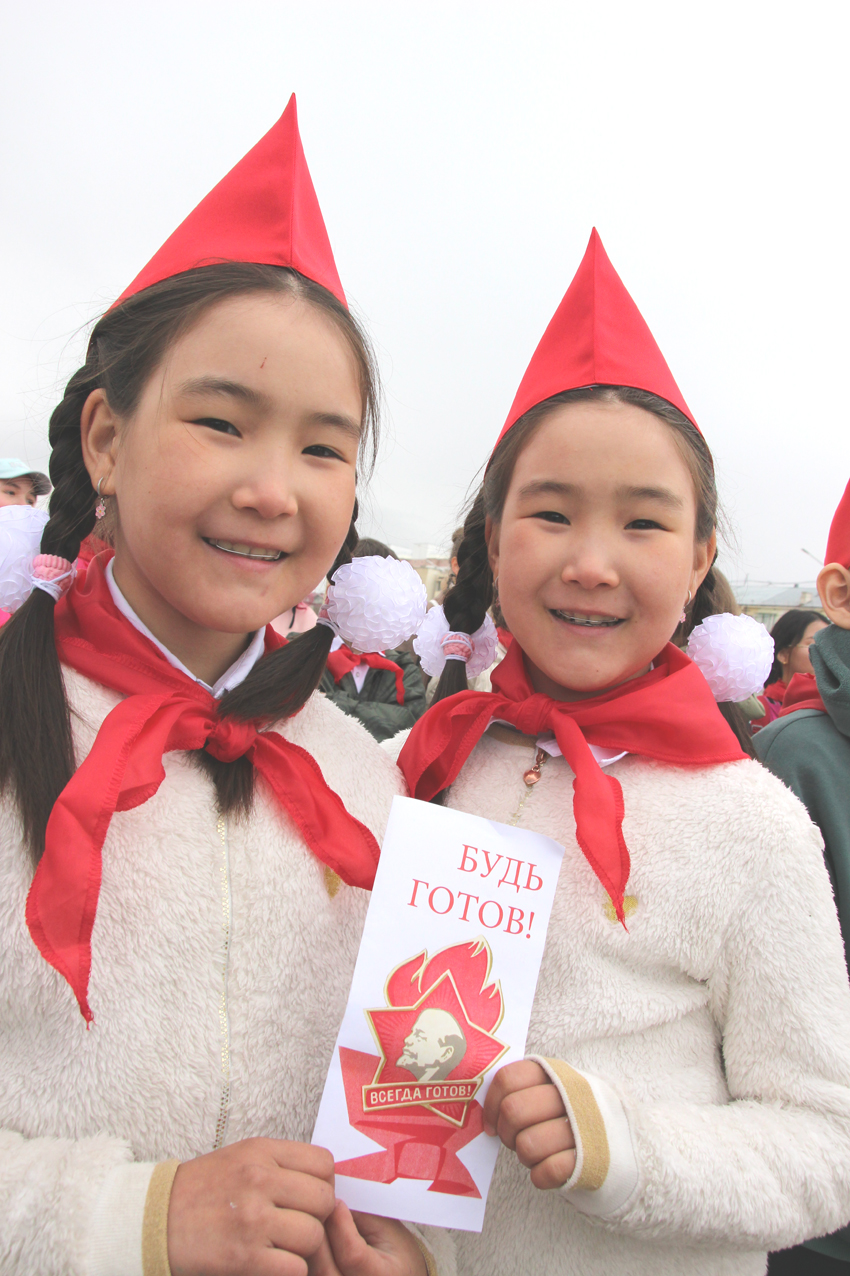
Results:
x,y
704,1054
221,967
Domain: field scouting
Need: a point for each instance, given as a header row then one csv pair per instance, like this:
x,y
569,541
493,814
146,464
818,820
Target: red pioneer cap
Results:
x,y
265,210
597,337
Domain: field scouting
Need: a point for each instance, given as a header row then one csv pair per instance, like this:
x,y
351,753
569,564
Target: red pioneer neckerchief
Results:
x,y
668,714
801,693
163,710
343,660
775,691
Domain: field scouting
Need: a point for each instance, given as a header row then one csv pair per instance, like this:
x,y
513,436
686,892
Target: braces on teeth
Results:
x,y
589,624
246,552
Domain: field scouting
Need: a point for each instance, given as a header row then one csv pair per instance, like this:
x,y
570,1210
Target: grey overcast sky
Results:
x,y
461,153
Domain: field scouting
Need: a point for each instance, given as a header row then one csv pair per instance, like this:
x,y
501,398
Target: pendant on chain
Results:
x,y
532,775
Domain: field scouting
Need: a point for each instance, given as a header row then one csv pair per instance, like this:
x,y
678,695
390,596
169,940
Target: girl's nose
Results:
x,y
588,564
271,493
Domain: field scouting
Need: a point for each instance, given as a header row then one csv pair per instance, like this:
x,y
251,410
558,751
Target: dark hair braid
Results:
x,y
467,601
36,746
127,344
73,499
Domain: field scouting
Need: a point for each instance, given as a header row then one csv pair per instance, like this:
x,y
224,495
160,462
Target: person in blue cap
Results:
x,y
19,485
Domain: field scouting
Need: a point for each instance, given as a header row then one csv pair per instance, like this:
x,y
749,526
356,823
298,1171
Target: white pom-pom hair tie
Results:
x,y
374,603
436,642
21,528
734,653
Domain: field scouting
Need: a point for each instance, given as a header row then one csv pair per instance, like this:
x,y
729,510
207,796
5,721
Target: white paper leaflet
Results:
x,y
440,1000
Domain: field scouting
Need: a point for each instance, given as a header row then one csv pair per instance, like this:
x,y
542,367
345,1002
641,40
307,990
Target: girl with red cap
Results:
x,y
685,1106
188,833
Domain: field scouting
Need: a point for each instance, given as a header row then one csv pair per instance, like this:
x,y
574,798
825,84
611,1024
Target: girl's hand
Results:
x,y
526,1111
366,1245
255,1207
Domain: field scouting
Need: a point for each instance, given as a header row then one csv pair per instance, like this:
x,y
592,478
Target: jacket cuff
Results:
x,y
115,1239
606,1172
155,1221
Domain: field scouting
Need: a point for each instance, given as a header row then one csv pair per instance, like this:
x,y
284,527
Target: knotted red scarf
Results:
x,y
645,717
164,710
801,693
343,660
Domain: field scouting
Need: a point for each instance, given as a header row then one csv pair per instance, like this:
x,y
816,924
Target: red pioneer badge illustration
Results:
x,y
436,1042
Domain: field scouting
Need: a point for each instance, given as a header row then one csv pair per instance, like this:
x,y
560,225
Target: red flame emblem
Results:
x,y
436,1042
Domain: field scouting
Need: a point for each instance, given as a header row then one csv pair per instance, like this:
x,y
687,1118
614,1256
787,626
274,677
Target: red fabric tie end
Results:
x,y
163,711
643,717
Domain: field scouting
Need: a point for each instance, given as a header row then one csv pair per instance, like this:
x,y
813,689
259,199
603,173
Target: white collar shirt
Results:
x,y
231,677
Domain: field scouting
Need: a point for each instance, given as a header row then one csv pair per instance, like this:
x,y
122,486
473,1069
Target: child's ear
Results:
x,y
99,438
834,591
704,556
491,536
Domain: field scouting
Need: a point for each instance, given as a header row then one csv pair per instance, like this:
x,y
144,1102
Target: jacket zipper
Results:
x,y
224,1021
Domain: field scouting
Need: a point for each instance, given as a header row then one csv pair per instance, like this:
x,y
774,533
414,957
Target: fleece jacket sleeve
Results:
x,y
768,1169
438,1249
606,1172
71,1207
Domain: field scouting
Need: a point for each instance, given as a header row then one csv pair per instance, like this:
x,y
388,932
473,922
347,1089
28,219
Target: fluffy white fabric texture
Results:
x,y
86,1114
721,1021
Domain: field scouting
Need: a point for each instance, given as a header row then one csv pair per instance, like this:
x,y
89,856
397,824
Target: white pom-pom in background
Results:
x,y
428,645
20,540
376,603
734,653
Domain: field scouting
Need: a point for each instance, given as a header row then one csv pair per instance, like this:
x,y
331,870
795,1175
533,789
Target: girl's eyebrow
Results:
x,y
233,389
552,487
262,403
662,495
337,421
547,487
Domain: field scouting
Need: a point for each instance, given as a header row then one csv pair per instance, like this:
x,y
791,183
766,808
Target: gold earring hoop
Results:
x,y
100,508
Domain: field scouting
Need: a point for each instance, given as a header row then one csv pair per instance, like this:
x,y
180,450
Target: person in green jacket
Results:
x,y
808,746
385,691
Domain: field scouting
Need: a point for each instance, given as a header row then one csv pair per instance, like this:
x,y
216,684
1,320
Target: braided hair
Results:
x,y
126,346
467,602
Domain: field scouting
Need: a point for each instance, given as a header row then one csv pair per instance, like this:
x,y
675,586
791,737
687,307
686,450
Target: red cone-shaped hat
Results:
x,y
597,337
265,210
838,545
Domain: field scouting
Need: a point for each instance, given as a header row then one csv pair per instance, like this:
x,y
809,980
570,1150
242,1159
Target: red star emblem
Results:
x,y
436,1034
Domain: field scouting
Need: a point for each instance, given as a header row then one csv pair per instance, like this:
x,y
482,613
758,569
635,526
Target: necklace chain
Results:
x,y
530,777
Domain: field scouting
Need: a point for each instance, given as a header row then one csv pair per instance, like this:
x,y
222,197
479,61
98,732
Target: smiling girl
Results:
x,y
686,1102
178,808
